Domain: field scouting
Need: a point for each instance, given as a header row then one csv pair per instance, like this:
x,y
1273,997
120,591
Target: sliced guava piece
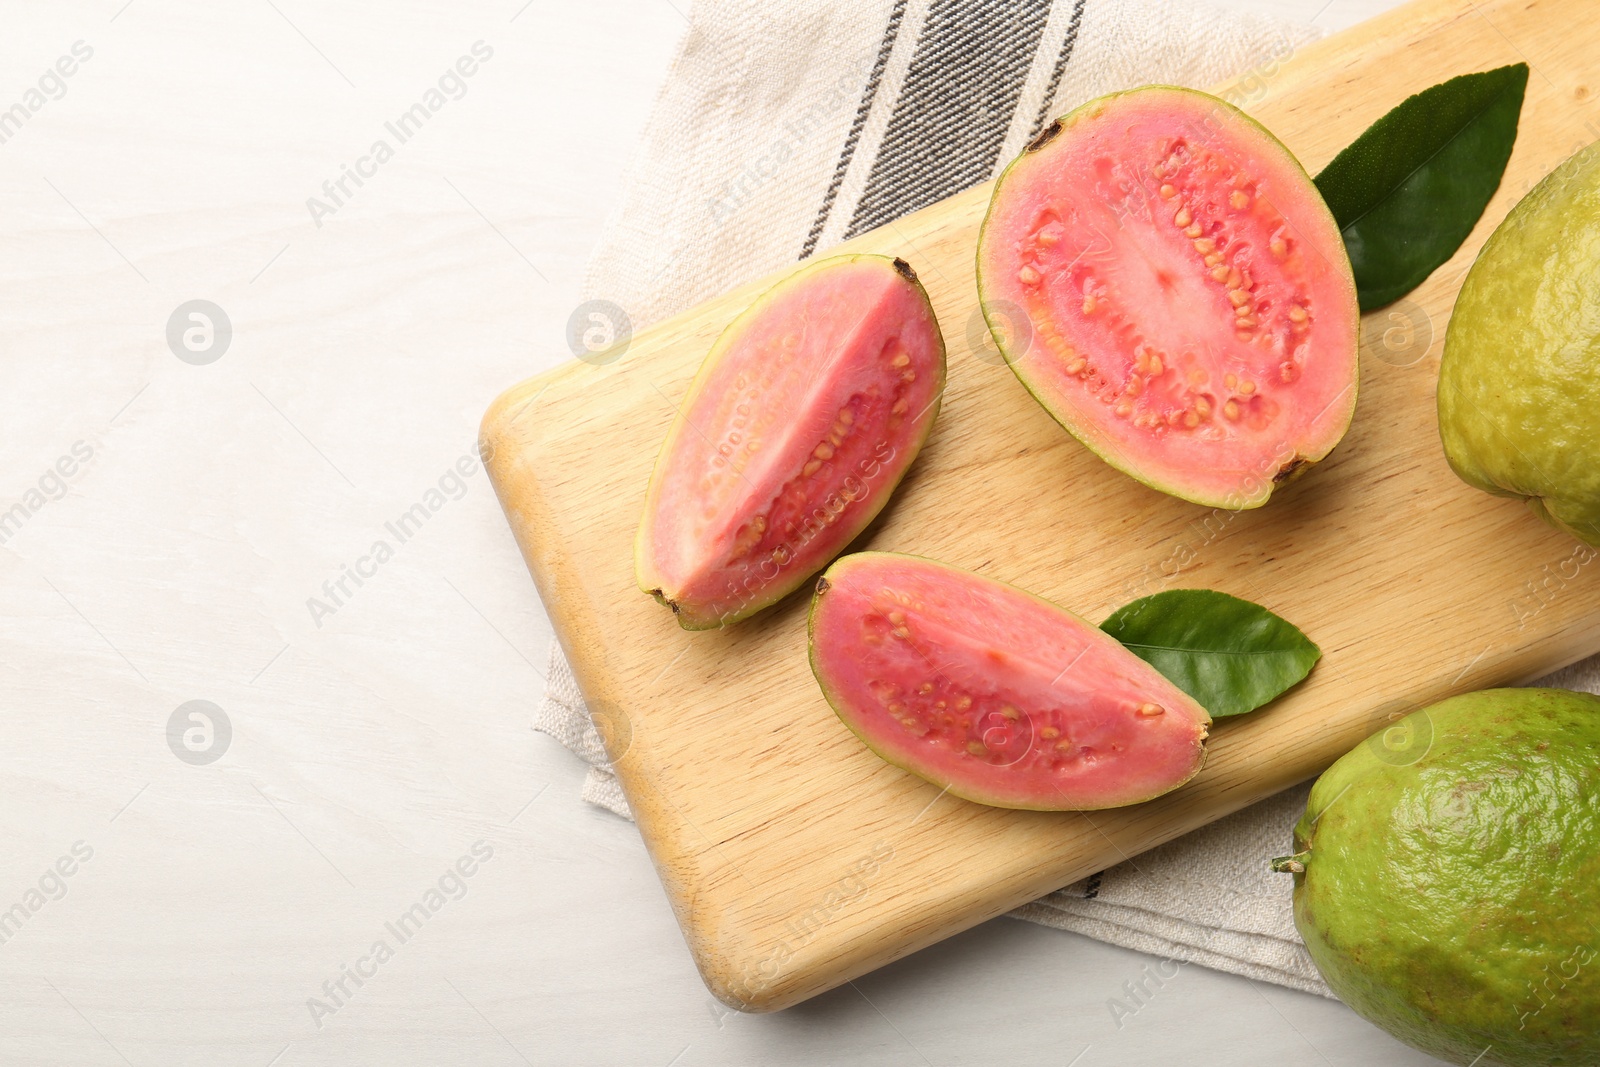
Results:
x,y
1165,279
999,696
801,421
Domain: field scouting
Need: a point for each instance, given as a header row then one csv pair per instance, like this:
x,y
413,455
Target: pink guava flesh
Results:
x,y
1166,280
803,418
1001,697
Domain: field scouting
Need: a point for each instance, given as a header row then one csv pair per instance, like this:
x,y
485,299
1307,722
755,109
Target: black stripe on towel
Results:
x,y
955,106
868,95
1065,57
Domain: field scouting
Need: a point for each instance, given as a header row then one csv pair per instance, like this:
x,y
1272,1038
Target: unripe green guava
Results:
x,y
1447,878
1519,382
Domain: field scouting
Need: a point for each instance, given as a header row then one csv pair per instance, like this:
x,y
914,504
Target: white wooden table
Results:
x,y
367,739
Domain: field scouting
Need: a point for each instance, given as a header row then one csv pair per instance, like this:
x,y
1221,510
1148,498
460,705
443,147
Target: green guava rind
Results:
x,y
1259,494
1519,396
1453,878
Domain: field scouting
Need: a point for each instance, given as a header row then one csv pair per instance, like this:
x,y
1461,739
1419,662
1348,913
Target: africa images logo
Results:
x,y
452,884
451,85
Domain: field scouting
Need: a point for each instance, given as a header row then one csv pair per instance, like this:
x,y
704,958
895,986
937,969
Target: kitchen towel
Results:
x,y
785,127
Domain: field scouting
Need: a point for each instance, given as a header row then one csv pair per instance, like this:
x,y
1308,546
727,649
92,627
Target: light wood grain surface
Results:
x,y
796,860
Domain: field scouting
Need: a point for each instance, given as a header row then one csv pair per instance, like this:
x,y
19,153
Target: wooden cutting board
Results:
x,y
794,858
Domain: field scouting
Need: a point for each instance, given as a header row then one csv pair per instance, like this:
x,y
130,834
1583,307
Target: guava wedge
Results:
x,y
999,696
1165,279
1447,878
1519,399
801,421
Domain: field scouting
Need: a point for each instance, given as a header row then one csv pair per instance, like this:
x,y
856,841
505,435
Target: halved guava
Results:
x,y
802,420
1167,282
993,693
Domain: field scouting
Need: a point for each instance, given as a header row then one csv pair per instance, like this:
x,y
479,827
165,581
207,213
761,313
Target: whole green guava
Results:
x,y
1447,878
1519,381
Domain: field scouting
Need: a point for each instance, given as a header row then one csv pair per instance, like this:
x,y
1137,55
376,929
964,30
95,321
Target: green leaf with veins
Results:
x,y
1229,654
1408,191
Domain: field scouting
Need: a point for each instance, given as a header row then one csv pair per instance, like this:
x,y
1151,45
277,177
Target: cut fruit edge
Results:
x,y
1050,758
806,548
1057,368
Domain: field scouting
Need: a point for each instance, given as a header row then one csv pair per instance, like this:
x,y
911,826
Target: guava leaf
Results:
x,y
1229,654
1408,191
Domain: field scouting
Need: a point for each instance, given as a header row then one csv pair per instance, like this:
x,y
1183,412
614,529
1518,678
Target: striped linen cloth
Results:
x,y
785,127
